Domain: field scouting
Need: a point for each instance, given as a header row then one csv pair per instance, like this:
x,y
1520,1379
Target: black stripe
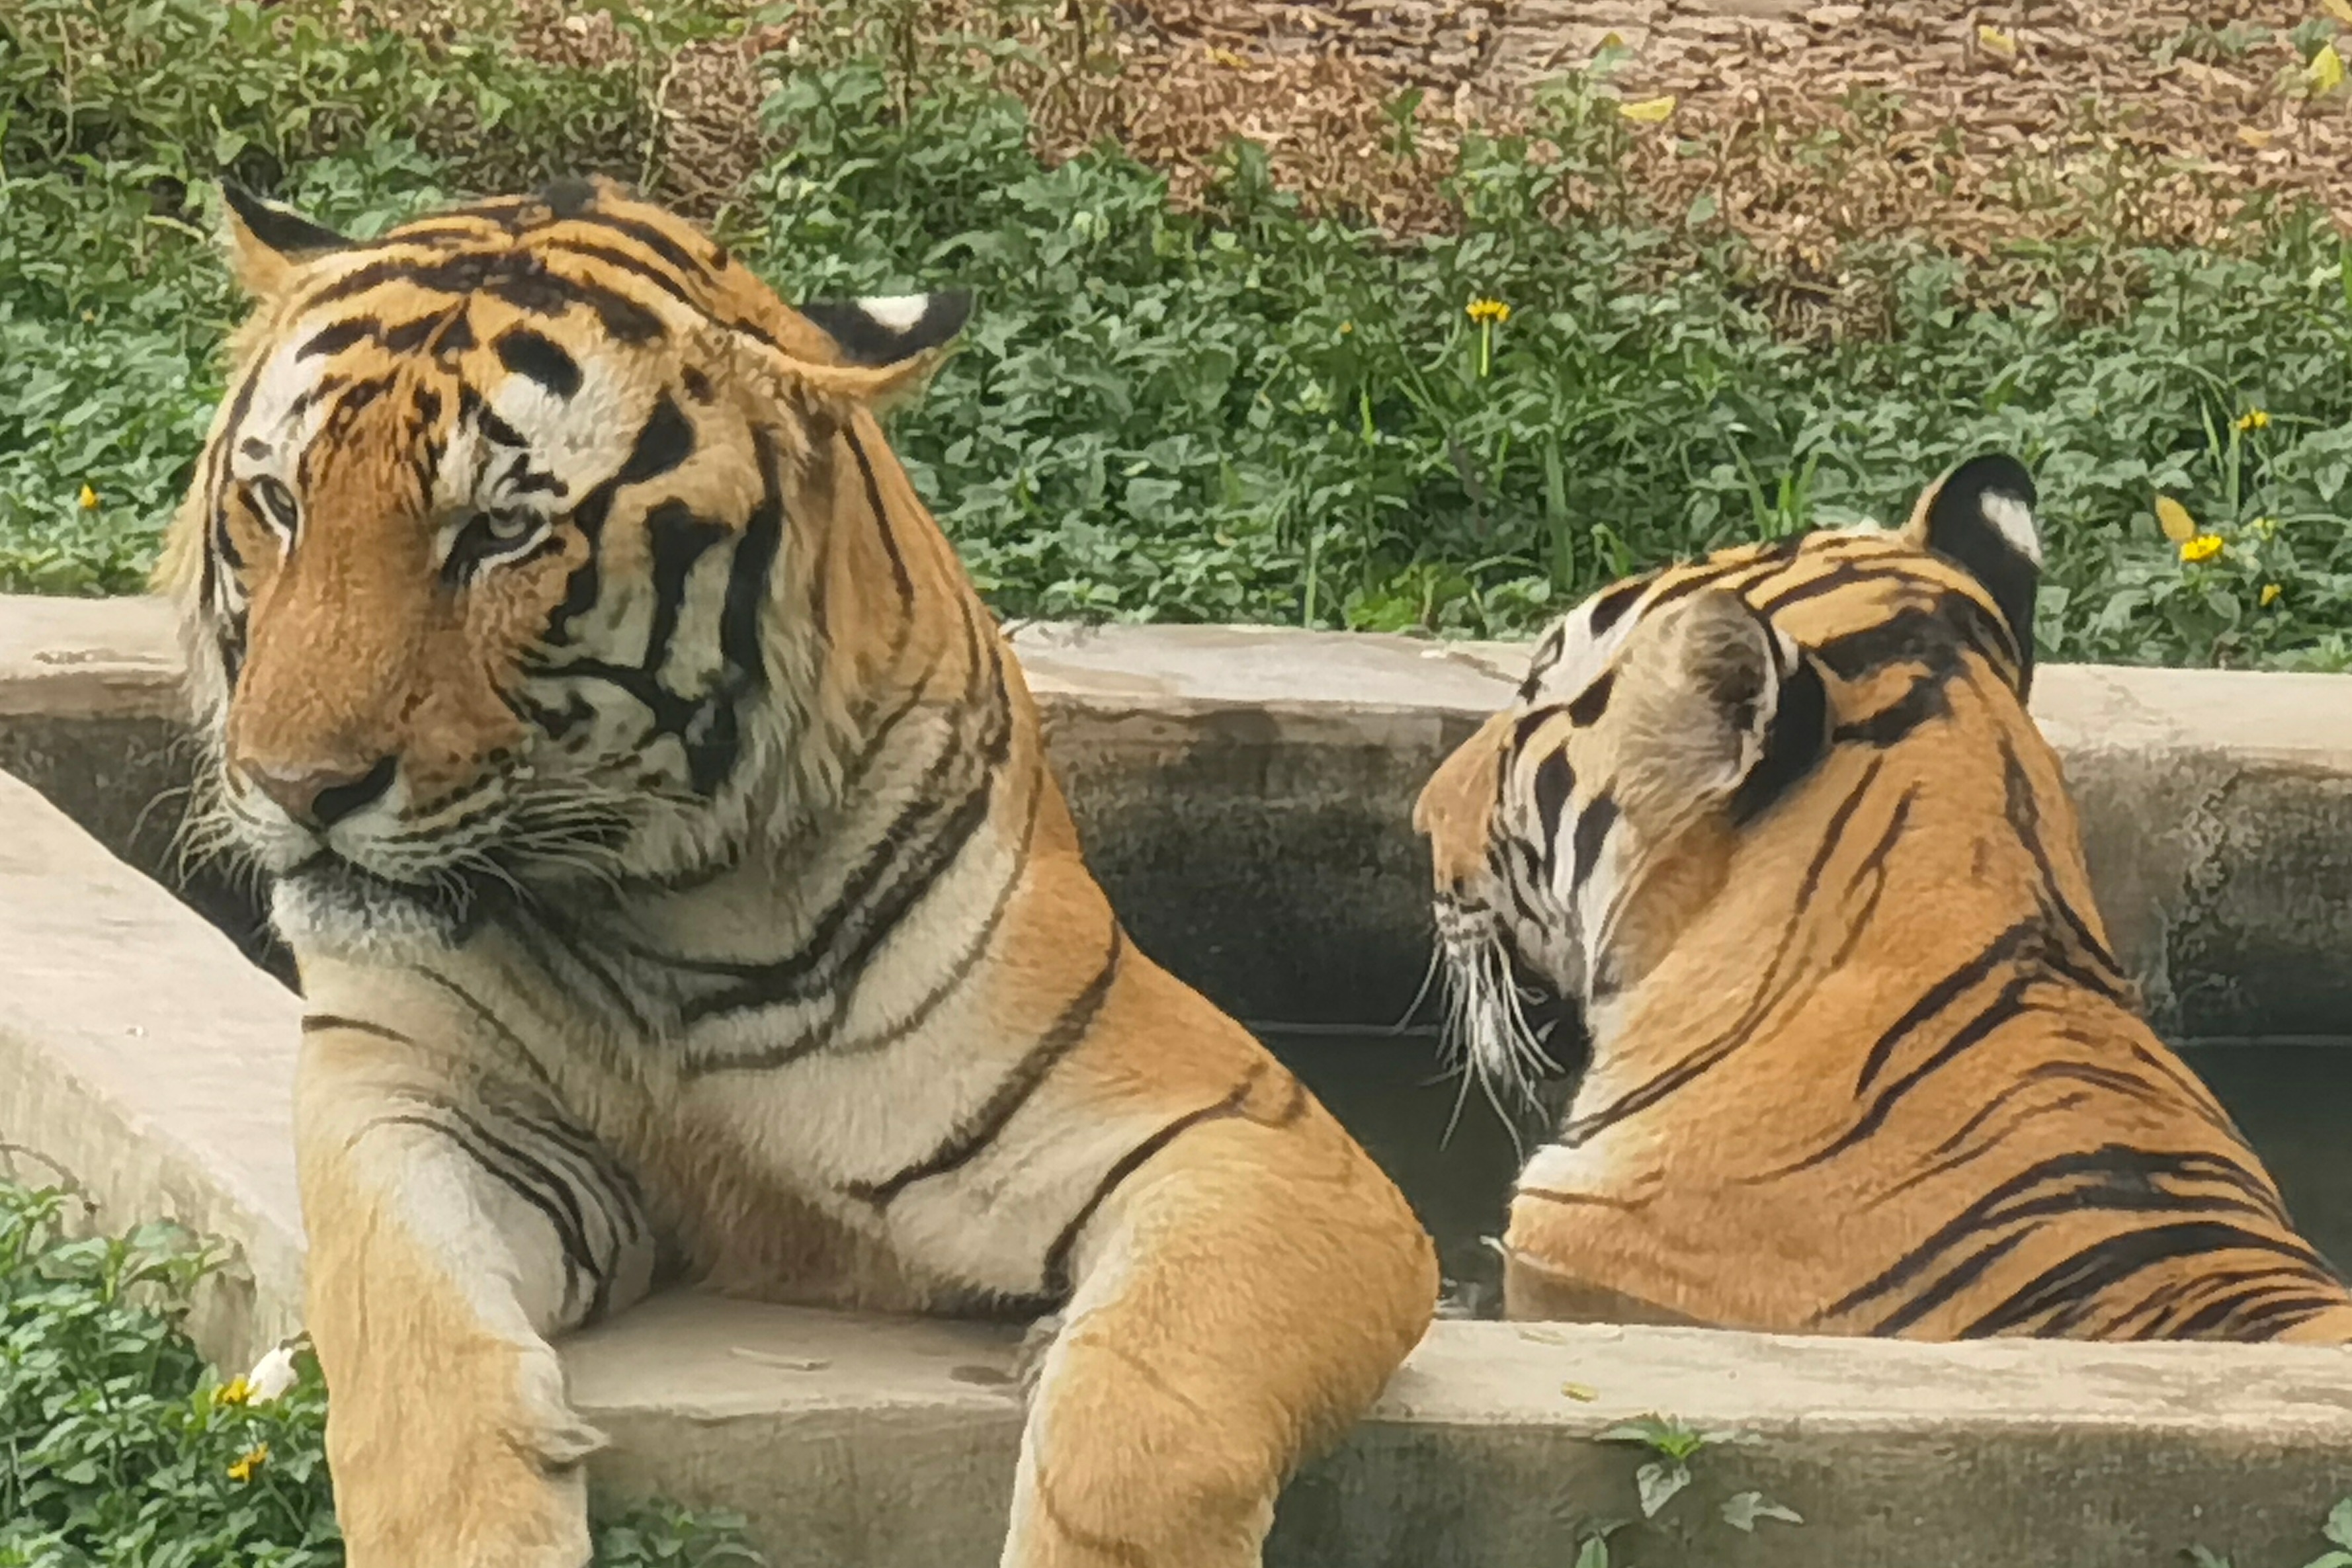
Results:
x,y
2007,1006
824,1037
1554,782
1055,1274
661,278
562,1220
2000,950
1594,701
485,1017
1613,602
675,539
2107,1263
317,1023
2065,1187
972,1134
652,238
1583,1128
898,572
541,358
334,339
663,442
1592,825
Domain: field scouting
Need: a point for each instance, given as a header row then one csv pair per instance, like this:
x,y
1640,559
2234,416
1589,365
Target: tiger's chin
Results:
x,y
330,907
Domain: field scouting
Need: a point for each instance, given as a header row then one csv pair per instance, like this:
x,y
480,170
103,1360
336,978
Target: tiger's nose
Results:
x,y
321,797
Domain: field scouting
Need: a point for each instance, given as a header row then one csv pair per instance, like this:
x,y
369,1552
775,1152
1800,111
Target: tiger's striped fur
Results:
x,y
678,888
1861,1059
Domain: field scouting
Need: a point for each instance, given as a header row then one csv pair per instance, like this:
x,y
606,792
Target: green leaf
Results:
x,y
1657,1483
1742,1511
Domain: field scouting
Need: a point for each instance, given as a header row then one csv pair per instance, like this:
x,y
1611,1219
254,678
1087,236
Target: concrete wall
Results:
x,y
1245,794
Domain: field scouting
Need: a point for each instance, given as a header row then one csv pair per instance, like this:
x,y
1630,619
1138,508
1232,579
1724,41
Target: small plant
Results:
x,y
119,1446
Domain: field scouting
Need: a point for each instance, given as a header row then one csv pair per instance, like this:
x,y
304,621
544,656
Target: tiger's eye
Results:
x,y
277,501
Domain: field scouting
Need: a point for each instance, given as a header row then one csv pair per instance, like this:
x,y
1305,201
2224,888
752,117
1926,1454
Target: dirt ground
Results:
x,y
2044,138
1987,131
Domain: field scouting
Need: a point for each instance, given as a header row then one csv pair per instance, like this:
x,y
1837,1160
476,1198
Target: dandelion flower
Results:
x,y
88,499
2255,419
2201,546
1482,311
2270,591
247,1462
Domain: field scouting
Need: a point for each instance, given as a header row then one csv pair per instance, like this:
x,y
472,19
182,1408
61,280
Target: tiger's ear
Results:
x,y
1980,515
267,241
1722,710
888,329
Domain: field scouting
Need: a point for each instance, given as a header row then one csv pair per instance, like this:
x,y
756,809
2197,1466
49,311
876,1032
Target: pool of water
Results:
x,y
2293,1100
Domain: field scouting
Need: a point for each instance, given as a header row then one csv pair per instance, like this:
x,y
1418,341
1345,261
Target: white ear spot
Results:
x,y
898,312
2012,519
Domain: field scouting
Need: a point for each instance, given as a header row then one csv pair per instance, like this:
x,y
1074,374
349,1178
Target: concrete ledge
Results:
x,y
881,1442
1245,793
137,1050
140,1052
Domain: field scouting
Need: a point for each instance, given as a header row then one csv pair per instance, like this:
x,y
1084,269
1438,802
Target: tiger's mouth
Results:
x,y
1512,1028
333,904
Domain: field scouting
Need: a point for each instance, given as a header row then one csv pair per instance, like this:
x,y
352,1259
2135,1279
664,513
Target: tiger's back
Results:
x,y
1863,1060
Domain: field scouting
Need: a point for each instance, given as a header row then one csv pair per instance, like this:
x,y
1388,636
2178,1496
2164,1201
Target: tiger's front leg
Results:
x,y
1241,1298
456,1220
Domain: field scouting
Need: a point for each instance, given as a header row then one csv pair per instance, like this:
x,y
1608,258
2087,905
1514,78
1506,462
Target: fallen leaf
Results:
x,y
2252,137
2174,519
1649,110
1583,1393
782,1362
2326,71
2339,9
1999,42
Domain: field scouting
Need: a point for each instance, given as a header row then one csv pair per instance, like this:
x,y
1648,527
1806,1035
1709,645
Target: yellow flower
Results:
x,y
236,1391
2271,591
247,1462
1485,311
88,499
1649,110
2201,546
1347,326
2255,419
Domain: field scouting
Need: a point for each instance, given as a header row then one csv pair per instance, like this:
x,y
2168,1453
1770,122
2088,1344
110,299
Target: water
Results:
x,y
2293,1100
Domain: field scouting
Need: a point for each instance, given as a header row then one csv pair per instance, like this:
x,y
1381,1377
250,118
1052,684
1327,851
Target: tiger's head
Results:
x,y
477,570
1661,720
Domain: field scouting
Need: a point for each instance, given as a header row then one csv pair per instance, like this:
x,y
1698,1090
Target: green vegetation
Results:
x,y
1239,414
118,1446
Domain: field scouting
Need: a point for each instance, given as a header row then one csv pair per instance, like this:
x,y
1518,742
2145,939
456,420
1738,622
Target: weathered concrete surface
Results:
x,y
1244,795
140,1052
136,1049
882,1442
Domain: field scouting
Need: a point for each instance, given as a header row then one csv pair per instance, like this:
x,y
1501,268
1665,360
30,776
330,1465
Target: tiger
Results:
x,y
1776,825
680,897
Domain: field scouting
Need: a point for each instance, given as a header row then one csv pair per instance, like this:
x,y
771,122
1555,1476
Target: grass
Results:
x,y
119,1446
1239,412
